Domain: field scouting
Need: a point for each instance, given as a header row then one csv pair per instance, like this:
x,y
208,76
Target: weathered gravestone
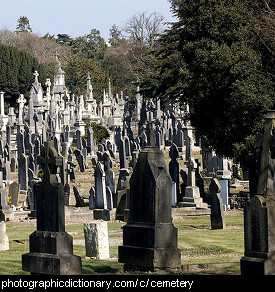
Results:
x,y
4,239
6,213
81,160
174,169
192,196
14,190
259,215
96,239
51,248
217,214
101,210
23,172
79,201
149,237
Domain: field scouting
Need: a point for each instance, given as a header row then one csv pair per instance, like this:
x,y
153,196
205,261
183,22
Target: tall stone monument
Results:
x,y
149,237
51,248
259,215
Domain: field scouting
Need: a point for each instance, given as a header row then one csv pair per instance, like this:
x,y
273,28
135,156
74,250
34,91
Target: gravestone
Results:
x,y
23,172
149,237
80,159
96,240
259,214
4,239
14,190
122,154
101,210
51,248
192,198
6,212
217,215
78,199
174,169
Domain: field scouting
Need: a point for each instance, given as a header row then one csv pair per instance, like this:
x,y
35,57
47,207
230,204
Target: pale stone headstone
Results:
x,y
4,239
96,239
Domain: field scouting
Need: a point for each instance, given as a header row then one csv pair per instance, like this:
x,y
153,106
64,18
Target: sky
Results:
x,y
77,17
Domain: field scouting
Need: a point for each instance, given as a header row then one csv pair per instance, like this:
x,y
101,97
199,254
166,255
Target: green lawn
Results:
x,y
198,244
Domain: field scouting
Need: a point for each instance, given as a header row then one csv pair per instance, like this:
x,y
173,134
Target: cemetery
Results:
x,y
149,197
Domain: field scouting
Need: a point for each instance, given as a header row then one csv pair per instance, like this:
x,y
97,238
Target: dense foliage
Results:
x,y
213,59
16,72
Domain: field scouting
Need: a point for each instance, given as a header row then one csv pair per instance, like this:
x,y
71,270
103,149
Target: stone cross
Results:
x,y
191,165
50,161
36,74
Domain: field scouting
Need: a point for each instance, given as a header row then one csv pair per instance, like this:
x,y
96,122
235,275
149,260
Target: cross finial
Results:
x,y
36,74
21,99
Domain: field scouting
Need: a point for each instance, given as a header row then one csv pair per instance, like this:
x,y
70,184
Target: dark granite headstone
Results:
x,y
217,214
51,248
259,215
149,237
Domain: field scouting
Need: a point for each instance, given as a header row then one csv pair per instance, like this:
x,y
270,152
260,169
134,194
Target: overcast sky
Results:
x,y
77,17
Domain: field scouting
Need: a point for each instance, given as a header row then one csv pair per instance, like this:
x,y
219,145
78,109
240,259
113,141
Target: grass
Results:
x,y
198,243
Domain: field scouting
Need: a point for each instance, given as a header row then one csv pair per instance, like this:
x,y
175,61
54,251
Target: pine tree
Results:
x,y
23,25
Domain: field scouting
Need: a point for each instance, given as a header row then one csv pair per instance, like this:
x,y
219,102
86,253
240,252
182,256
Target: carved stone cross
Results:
x,y
50,161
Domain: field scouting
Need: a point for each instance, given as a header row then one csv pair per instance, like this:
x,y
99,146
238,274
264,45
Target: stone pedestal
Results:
x,y
192,198
149,247
259,255
51,253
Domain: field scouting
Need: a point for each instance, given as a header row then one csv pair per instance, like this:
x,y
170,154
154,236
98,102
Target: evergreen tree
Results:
x,y
16,73
211,59
23,25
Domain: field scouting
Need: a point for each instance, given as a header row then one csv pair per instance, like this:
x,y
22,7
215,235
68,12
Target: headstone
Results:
x,y
192,196
149,237
101,210
79,200
23,172
51,248
122,154
92,198
96,240
6,212
217,214
4,239
80,159
13,164
174,169
259,214
224,183
14,190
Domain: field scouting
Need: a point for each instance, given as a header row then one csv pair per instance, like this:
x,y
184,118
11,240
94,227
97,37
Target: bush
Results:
x,y
100,132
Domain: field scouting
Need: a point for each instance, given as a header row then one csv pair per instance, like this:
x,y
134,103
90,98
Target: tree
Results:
x,y
23,25
63,38
144,28
77,68
16,72
115,36
211,59
91,46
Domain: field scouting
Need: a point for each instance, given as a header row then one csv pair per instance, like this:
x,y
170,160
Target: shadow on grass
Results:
x,y
91,269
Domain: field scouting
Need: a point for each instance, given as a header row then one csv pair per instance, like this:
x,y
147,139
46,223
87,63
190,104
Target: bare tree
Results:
x,y
144,28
